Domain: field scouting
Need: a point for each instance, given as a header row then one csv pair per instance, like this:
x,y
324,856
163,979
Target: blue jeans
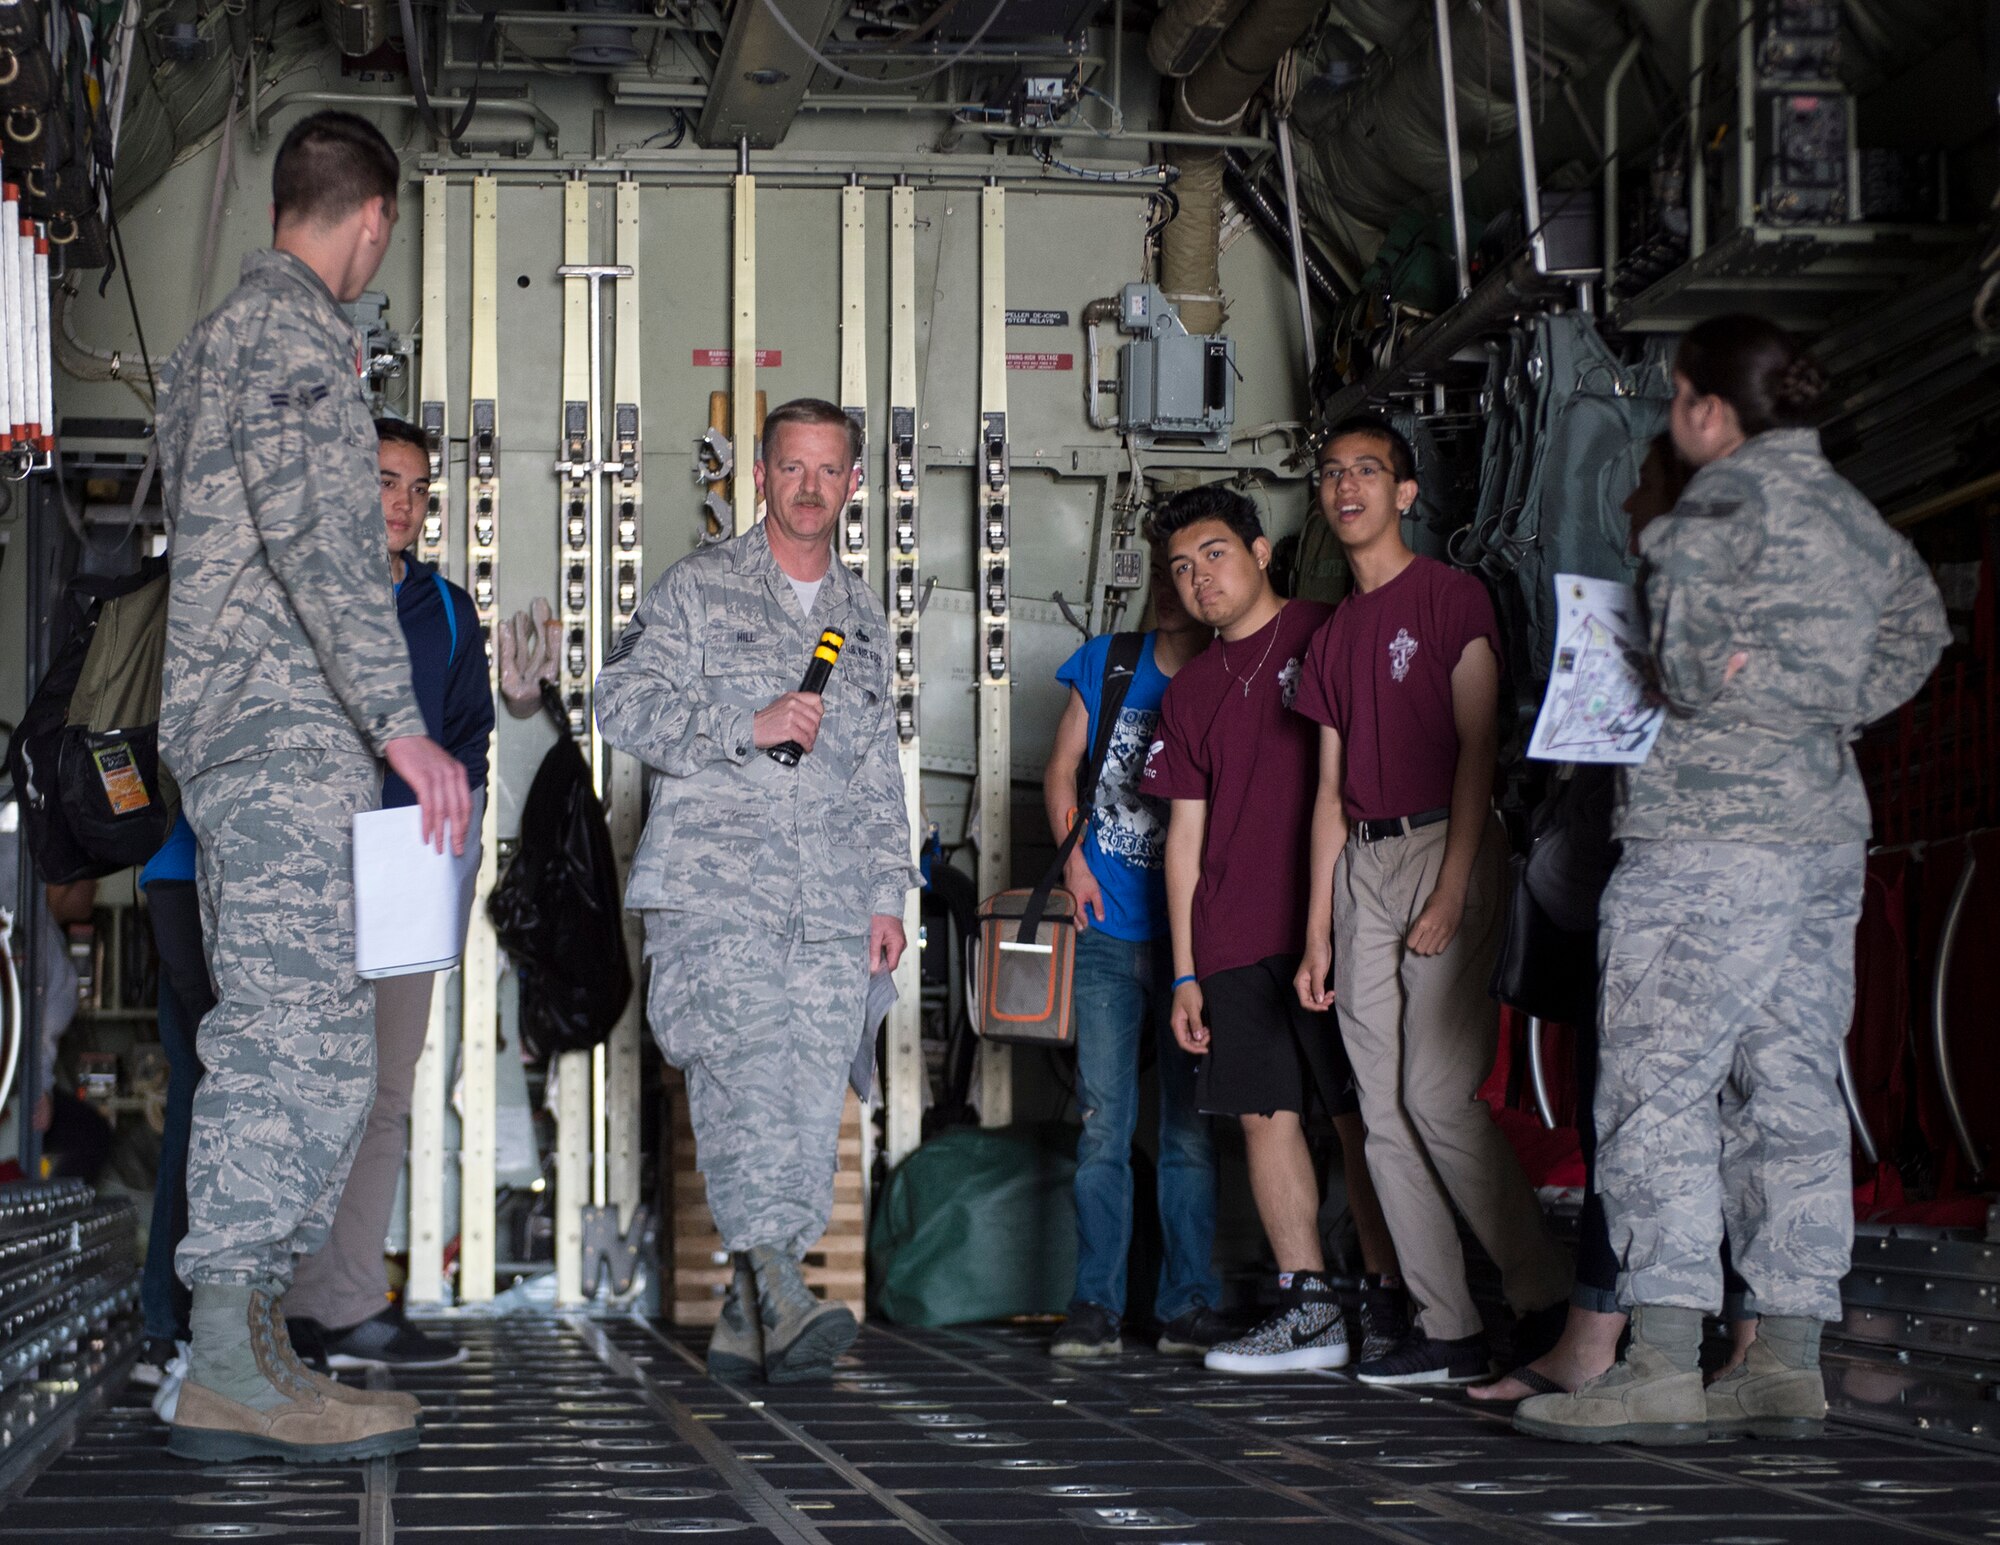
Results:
x,y
1121,995
184,997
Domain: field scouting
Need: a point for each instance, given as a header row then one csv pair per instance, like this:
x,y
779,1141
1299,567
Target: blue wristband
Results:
x,y
1182,981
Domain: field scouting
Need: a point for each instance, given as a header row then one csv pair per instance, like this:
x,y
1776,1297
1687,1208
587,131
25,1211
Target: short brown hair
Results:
x,y
329,166
810,410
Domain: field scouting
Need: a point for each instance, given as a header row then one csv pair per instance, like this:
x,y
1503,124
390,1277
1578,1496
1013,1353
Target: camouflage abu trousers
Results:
x,y
289,1048
1728,986
764,1025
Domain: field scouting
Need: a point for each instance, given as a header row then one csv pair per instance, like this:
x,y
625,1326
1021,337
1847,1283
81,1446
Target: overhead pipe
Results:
x,y
1614,87
1213,100
1297,242
1697,184
1454,160
1492,304
1524,136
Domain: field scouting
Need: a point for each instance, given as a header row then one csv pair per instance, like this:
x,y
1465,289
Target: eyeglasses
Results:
x,y
1364,471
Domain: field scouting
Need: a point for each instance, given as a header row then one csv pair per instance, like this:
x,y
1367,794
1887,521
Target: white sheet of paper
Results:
x,y
861,1073
1596,709
411,902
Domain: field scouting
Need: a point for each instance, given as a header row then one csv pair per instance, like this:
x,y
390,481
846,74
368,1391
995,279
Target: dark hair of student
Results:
x,y
1756,367
329,166
811,410
1402,459
1212,501
400,431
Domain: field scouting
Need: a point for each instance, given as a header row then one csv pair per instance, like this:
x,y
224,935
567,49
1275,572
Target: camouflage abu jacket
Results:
x,y
281,629
1772,553
819,846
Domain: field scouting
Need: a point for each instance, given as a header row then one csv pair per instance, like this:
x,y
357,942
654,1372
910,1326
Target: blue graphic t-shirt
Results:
x,y
1126,846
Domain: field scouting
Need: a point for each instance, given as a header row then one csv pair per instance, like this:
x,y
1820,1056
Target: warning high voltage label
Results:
x,y
1041,362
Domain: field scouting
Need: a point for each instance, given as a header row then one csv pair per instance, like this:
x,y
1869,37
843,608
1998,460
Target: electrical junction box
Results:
x,y
1173,388
1803,175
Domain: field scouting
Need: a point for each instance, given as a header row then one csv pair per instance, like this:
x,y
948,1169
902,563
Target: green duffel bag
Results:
x,y
977,1224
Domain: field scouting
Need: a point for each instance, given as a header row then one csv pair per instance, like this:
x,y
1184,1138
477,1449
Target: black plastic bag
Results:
x,y
92,801
1547,963
557,909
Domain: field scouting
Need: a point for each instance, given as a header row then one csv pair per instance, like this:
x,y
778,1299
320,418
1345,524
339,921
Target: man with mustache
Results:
x,y
770,891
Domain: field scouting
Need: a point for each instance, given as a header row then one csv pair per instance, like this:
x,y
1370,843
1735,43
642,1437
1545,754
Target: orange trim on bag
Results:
x,y
992,975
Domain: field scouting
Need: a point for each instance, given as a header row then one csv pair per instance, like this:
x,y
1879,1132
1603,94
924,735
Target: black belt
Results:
x,y
1398,825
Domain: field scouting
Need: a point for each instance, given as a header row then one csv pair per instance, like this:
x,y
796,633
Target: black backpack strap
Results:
x,y
1121,664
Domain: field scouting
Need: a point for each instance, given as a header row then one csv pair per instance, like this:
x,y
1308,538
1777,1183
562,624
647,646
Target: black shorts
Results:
x,y
1266,1051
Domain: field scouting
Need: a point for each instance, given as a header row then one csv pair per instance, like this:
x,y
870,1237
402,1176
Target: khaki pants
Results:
x,y
1421,1032
347,1281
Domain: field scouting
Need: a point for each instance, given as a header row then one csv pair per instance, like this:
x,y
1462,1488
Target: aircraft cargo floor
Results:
x,y
608,1430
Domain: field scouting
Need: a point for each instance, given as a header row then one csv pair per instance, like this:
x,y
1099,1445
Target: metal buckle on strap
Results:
x,y
1400,825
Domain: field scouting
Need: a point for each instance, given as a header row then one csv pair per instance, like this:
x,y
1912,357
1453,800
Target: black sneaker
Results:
x,y
1193,1332
1090,1331
1385,1318
308,1339
388,1341
1420,1360
1306,1332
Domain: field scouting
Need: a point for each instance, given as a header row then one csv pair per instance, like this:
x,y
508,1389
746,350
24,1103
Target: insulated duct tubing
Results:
x,y
1212,101
1186,33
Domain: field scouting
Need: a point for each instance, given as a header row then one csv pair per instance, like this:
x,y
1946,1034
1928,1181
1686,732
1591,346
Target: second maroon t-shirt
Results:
x,y
1380,673
1256,763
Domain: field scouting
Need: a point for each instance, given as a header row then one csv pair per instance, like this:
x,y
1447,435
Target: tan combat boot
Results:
x,y
1651,1396
736,1349
1776,1391
242,1400
802,1335
333,1389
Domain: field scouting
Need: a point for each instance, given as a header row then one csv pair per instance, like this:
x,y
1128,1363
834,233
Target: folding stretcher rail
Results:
x,y
855,539
992,580
426,1277
622,787
482,951
904,1076
743,343
578,541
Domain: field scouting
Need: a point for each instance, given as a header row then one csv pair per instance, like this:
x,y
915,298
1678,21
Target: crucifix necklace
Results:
x,y
1276,629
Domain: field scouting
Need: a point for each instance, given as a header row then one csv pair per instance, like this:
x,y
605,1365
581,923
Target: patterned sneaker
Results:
x,y
1193,1332
1305,1332
1090,1331
1420,1360
1385,1318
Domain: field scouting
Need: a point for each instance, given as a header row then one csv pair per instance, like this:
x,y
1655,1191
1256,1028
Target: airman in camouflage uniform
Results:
x,y
767,890
1784,615
286,678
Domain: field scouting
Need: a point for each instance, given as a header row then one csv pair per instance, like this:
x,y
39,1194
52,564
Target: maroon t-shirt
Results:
x,y
1380,673
1256,763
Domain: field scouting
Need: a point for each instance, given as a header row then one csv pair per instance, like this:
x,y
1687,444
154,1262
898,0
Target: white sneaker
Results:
x,y
167,1398
1306,1332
